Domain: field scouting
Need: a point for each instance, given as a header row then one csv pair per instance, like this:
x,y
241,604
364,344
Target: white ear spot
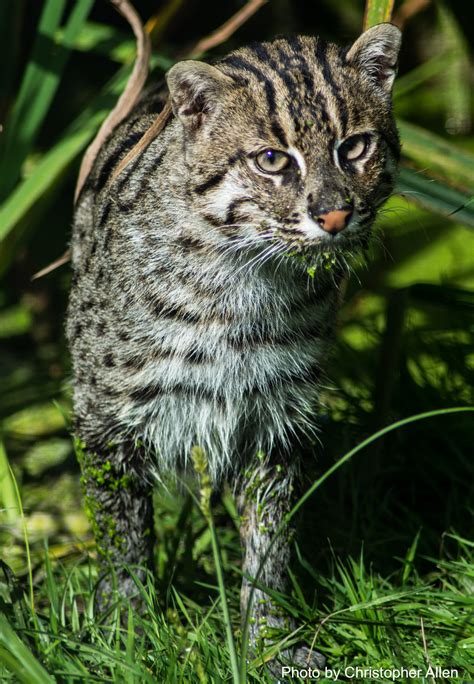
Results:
x,y
376,53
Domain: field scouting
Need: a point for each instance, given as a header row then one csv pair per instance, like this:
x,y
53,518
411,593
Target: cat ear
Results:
x,y
376,53
196,89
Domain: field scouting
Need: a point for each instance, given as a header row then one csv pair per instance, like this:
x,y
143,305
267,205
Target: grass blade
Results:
x,y
300,503
430,151
406,84
18,658
50,170
436,196
377,11
16,144
224,605
8,498
201,468
40,83
456,77
10,19
409,559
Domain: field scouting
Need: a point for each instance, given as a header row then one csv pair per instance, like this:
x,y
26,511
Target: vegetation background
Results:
x,y
385,576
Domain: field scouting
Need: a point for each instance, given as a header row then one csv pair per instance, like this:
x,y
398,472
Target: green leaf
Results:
x,y
377,12
18,658
406,84
8,496
104,40
10,18
50,170
436,196
113,44
456,77
409,558
431,152
40,82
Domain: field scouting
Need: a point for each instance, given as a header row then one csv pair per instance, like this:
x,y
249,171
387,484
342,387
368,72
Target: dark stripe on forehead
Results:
x,y
306,69
263,56
321,57
279,133
244,65
291,54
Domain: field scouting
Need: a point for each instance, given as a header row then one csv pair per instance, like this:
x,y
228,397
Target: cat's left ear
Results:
x,y
196,90
376,53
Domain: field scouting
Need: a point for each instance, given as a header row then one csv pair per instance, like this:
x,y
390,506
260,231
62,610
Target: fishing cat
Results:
x,y
193,320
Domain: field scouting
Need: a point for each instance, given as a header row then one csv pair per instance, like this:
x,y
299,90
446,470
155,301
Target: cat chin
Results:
x,y
337,245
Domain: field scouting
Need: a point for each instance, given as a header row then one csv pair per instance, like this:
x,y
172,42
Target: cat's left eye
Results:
x,y
353,148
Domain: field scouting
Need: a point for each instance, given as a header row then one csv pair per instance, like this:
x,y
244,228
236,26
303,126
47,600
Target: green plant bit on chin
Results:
x,y
323,260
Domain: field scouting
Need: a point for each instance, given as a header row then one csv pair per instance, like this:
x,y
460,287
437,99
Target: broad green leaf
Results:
x,y
377,12
10,17
456,77
18,658
39,85
51,168
436,196
407,83
434,154
104,40
424,248
113,44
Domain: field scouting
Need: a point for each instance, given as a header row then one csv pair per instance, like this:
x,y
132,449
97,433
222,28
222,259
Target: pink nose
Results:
x,y
334,221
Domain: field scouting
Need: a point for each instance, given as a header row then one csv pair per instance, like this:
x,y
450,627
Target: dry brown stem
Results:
x,y
129,96
133,91
408,10
53,265
214,39
155,128
229,27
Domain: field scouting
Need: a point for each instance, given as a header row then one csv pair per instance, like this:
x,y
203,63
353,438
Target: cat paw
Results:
x,y
301,657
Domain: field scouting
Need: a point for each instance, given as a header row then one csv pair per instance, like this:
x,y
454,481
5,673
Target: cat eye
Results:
x,y
272,161
353,148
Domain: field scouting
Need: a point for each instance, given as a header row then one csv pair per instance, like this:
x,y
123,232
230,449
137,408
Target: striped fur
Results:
x,y
192,319
187,323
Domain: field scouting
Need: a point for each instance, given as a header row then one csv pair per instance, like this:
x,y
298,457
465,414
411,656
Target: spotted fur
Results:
x,y
191,320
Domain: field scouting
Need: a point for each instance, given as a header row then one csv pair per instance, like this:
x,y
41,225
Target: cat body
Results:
x,y
192,317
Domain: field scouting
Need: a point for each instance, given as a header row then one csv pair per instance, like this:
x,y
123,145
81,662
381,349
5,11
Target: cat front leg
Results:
x,y
266,493
118,498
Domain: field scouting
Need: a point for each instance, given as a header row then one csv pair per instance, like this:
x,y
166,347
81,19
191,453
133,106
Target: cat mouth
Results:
x,y
310,236
345,242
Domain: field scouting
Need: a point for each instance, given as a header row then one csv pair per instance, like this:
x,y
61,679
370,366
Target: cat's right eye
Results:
x,y
272,161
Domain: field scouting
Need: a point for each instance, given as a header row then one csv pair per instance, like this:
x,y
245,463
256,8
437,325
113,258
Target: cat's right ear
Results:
x,y
196,89
375,52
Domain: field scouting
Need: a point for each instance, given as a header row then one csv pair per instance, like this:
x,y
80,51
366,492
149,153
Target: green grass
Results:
x,y
362,617
384,571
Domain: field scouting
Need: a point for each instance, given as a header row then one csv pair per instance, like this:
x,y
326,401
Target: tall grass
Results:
x,y
403,350
114,648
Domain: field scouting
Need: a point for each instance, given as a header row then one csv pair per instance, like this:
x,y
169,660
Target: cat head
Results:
x,y
293,140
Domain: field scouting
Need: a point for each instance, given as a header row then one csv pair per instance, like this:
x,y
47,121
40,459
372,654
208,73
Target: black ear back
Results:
x,y
376,53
